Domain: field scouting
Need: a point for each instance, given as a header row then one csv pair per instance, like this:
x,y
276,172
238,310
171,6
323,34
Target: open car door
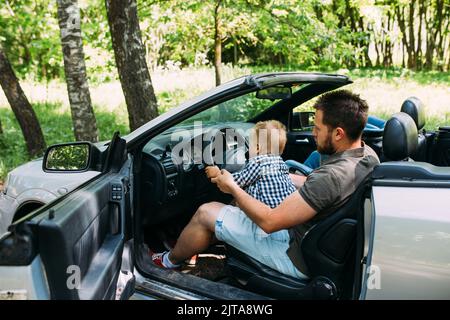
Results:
x,y
80,237
408,251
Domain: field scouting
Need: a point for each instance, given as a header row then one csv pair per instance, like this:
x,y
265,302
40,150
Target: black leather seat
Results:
x,y
416,110
328,249
399,138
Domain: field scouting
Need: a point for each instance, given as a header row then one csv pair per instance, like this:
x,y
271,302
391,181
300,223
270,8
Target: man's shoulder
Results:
x,y
370,154
324,172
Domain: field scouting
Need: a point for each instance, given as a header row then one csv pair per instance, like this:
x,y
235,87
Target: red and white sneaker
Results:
x,y
158,260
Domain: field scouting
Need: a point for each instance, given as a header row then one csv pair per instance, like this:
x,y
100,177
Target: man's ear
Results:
x,y
339,134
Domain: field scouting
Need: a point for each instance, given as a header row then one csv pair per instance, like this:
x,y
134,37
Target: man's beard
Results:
x,y
327,148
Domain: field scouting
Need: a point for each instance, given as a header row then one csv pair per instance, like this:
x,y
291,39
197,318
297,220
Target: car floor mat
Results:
x,y
207,266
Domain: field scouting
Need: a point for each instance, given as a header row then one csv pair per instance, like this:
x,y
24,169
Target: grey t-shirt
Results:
x,y
328,188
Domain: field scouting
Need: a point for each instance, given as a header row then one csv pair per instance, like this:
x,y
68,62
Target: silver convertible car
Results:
x,y
109,204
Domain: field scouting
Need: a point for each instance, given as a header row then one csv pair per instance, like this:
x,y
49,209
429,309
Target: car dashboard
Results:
x,y
172,171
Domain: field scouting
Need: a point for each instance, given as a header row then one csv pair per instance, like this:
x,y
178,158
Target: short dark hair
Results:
x,y
345,109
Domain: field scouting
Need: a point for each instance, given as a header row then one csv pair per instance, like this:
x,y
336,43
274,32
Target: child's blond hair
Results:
x,y
270,136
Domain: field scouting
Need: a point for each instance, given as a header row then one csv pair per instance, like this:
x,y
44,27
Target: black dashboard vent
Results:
x,y
169,166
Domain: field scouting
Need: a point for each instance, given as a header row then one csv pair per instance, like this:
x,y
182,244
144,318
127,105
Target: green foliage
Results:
x,y
178,33
29,34
391,74
98,52
12,144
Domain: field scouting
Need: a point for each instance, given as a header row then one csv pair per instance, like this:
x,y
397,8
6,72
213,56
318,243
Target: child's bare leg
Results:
x,y
198,235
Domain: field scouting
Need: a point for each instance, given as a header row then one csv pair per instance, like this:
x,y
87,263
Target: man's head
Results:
x,y
340,120
268,137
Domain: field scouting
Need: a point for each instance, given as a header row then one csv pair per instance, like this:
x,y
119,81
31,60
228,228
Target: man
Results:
x,y
272,235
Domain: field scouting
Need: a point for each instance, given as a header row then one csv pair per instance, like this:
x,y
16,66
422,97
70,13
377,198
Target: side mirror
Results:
x,y
274,93
68,157
303,120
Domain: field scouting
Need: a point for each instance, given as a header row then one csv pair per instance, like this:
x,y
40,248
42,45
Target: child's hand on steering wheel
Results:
x,y
212,172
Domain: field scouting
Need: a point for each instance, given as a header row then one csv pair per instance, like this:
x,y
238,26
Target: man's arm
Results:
x,y
292,211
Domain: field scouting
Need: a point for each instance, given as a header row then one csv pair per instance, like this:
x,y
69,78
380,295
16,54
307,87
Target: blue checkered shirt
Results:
x,y
266,178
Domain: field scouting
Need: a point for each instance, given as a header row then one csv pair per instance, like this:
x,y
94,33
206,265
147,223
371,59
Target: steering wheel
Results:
x,y
227,149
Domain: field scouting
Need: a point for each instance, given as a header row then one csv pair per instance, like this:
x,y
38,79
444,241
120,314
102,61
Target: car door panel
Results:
x,y
410,233
82,234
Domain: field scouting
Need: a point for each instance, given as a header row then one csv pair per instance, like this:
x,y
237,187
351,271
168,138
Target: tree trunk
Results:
x,y
235,52
83,118
434,29
388,55
411,51
376,42
22,109
403,56
129,53
429,45
401,23
448,63
365,43
441,48
217,44
418,54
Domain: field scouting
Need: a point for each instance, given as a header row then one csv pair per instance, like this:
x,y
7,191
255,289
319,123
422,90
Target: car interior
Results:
x,y
169,192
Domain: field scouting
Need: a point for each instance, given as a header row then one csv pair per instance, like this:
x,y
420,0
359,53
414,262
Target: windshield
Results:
x,y
239,109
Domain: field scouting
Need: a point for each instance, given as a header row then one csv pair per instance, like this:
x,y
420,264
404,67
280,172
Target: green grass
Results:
x,y
432,123
12,145
420,77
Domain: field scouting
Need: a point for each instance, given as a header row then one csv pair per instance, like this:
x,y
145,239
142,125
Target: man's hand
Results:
x,y
225,182
212,171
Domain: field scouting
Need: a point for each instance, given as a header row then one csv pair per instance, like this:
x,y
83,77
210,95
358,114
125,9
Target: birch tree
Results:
x,y
83,118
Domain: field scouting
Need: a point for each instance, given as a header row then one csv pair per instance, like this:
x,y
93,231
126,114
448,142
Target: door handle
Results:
x,y
304,140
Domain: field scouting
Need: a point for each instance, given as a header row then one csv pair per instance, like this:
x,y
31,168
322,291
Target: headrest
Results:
x,y
399,137
415,108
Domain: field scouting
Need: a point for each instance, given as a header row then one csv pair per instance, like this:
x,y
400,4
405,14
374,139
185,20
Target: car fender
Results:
x,y
35,195
8,208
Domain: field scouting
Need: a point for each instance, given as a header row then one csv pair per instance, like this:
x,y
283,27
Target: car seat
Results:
x,y
415,109
399,138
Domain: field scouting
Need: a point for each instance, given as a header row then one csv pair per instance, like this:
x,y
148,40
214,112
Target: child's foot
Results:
x,y
162,260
